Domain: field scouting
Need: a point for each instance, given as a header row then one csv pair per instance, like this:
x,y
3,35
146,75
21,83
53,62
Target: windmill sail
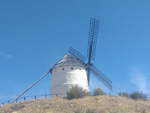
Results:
x,y
106,81
76,54
93,34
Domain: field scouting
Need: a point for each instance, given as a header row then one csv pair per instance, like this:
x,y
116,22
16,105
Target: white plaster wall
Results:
x,y
62,80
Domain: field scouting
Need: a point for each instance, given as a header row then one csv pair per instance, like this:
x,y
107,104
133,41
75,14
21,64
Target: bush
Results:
x,y
124,94
77,92
98,91
138,95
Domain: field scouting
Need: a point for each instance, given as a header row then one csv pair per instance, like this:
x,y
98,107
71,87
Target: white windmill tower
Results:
x,y
66,73
72,69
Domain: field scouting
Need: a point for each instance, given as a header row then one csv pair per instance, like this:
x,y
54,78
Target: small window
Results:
x,y
63,68
71,68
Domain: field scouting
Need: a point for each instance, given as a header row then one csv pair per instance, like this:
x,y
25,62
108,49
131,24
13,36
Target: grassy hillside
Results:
x,y
97,104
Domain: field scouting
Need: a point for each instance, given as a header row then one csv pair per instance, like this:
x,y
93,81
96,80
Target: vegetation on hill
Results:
x,y
134,95
124,94
77,92
80,101
88,104
138,95
98,92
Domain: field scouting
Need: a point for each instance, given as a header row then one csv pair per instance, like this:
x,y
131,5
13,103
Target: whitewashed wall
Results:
x,y
64,77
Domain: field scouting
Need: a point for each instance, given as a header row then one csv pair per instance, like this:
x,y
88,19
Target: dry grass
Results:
x,y
98,104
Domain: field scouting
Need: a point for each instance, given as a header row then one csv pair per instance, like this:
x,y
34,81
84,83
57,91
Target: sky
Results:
x,y
36,34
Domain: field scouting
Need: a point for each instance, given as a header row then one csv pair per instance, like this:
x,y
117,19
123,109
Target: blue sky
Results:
x,y
35,34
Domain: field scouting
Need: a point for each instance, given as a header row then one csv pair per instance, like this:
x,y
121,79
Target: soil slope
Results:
x,y
97,104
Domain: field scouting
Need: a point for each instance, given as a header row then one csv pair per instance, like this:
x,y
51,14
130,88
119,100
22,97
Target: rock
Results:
x,y
14,112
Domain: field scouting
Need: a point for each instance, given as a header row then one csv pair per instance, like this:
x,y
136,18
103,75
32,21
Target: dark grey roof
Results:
x,y
68,59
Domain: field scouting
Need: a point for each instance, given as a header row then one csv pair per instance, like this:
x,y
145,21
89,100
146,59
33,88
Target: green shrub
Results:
x,y
98,91
77,92
138,95
124,94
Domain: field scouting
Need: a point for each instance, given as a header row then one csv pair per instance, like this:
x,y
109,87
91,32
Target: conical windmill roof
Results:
x,y
68,59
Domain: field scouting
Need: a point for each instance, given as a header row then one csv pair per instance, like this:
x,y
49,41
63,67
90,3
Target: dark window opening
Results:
x,y
71,68
63,68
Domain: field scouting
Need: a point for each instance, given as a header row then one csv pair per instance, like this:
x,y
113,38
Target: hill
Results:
x,y
97,104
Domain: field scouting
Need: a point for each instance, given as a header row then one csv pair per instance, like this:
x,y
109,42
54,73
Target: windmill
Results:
x,y
72,68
